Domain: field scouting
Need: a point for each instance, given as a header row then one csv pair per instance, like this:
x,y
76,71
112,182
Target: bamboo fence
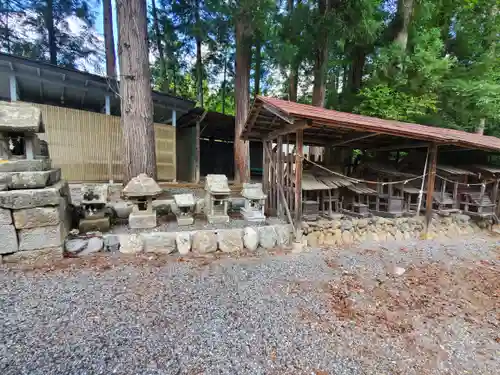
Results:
x,y
87,146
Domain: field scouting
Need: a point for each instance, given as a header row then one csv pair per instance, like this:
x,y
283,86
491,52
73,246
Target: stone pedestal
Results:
x,y
183,208
254,203
141,190
217,194
142,220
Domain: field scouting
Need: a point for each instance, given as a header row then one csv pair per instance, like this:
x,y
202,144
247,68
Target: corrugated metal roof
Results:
x,y
309,182
454,170
486,168
335,119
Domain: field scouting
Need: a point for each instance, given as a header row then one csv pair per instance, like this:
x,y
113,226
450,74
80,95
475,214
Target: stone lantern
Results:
x,y
217,194
184,208
254,203
94,200
141,190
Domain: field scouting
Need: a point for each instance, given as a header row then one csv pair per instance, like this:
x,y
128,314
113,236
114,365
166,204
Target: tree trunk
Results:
x,y
159,46
358,58
402,22
199,72
224,86
293,77
109,40
320,60
481,126
258,60
199,66
51,32
293,83
135,90
241,92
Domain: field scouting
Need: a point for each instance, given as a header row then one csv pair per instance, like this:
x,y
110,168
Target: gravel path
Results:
x,y
322,312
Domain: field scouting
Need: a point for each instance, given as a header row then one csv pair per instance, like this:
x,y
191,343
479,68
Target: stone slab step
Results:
x,y
49,196
32,180
25,165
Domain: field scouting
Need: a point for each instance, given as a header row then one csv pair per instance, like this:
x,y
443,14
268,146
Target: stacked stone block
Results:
x,y
34,217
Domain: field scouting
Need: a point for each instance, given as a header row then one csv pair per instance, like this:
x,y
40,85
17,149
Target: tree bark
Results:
x,y
159,47
241,92
481,126
358,58
258,61
109,40
293,77
51,32
224,86
402,22
135,90
320,60
199,66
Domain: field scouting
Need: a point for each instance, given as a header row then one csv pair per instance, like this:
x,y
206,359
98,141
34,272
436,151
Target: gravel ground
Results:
x,y
319,312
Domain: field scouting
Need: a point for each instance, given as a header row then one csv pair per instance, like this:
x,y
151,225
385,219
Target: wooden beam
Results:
x,y
431,179
354,139
403,146
291,128
299,152
253,115
279,174
278,113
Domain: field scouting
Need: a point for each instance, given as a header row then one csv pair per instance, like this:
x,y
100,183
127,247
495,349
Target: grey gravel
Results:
x,y
268,315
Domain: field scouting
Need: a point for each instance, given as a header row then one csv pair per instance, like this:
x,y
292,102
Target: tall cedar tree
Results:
x,y
135,90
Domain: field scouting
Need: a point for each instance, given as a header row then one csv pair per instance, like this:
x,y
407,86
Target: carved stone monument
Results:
x,y
184,208
217,194
34,218
94,200
141,190
254,203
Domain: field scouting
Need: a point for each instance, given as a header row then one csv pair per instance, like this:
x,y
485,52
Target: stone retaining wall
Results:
x,y
207,241
347,231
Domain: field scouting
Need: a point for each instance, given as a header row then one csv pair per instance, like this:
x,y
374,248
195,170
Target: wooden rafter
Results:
x,y
290,128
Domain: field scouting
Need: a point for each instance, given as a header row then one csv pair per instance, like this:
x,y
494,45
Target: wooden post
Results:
x,y
494,196
265,174
299,139
197,154
431,179
279,174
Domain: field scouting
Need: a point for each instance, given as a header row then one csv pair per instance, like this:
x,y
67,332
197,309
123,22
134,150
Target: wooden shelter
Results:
x,y
446,196
276,121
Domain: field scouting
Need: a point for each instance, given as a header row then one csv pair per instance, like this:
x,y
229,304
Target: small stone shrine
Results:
x,y
34,218
184,208
141,190
254,203
94,200
216,198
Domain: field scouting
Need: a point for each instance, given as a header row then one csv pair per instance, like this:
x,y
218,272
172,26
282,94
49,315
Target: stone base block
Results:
x,y
218,219
94,225
204,241
41,238
139,220
19,199
253,216
185,220
35,257
34,180
160,243
5,216
230,240
37,217
25,165
8,239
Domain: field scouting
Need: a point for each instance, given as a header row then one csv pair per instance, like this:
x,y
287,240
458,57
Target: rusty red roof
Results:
x,y
335,119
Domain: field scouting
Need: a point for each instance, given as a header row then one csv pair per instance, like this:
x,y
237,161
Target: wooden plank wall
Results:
x,y
87,146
